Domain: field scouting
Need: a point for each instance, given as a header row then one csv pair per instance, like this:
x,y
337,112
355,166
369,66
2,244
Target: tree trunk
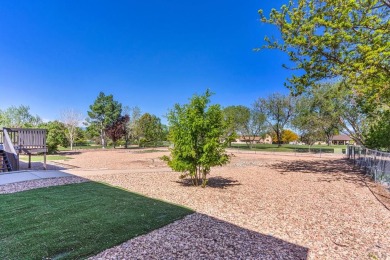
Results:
x,y
279,140
102,138
196,178
204,179
126,142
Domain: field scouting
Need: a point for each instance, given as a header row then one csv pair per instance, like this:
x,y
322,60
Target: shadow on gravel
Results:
x,y
335,171
50,165
69,153
330,170
325,166
214,182
199,236
229,241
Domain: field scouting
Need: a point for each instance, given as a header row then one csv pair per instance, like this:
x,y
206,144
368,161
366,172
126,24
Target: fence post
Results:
x,y
365,157
375,169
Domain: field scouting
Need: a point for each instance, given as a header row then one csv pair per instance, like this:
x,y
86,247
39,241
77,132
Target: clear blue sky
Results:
x,y
56,55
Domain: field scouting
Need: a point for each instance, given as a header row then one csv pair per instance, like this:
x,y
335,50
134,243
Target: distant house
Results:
x,y
341,140
254,140
296,143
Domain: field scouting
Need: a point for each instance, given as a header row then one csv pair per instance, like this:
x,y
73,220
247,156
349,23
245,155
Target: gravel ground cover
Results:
x,y
269,205
41,183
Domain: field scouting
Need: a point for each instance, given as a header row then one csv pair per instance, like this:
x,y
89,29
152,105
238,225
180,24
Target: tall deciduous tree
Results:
x,y
197,130
71,119
344,40
134,114
236,118
353,119
103,112
278,110
254,127
18,117
246,122
307,121
337,39
326,110
321,108
150,129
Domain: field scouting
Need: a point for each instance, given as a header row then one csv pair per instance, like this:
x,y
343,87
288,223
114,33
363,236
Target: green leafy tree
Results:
x,y
236,118
307,122
321,108
18,117
326,110
92,133
150,129
378,136
344,39
278,110
197,130
255,126
353,119
165,132
103,112
81,136
55,136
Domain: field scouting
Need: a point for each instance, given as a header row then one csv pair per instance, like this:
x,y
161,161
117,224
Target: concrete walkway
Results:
x,y
6,178
11,177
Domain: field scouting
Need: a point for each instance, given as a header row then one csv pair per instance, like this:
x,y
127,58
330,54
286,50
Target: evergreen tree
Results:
x,y
103,112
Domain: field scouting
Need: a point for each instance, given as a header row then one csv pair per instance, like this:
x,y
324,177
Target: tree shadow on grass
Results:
x,y
213,182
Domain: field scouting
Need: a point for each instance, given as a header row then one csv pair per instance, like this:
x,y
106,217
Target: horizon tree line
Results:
x,y
316,115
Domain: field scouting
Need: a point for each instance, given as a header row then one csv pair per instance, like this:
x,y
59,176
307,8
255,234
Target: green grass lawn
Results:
x,y
292,148
39,158
76,221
